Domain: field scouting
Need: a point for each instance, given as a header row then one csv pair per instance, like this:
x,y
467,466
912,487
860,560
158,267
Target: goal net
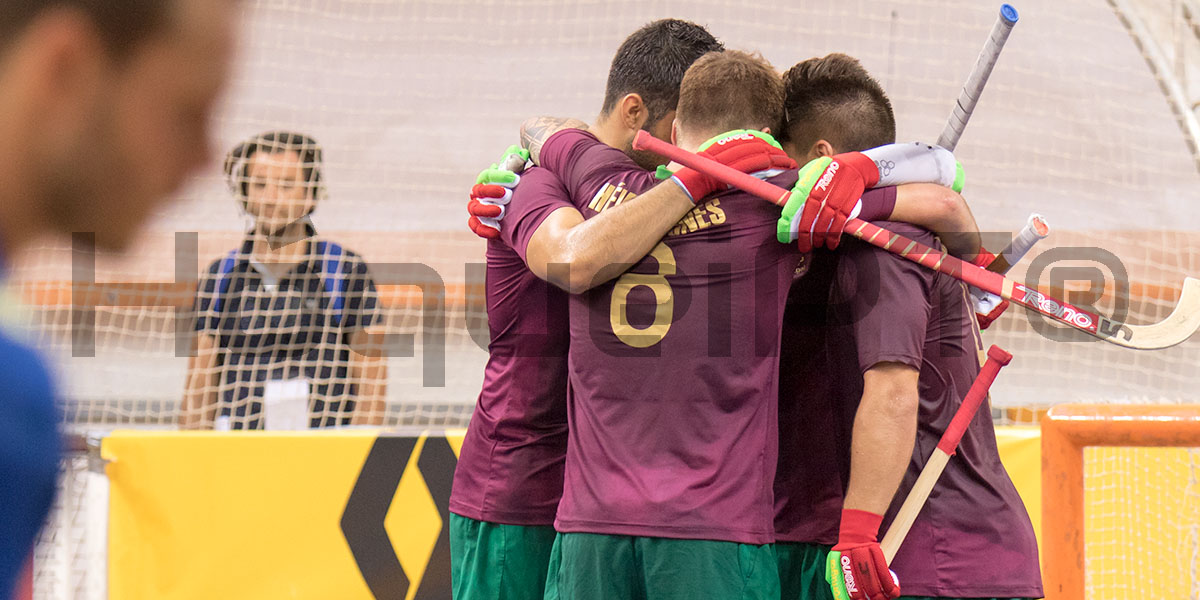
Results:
x,y
409,100
1121,498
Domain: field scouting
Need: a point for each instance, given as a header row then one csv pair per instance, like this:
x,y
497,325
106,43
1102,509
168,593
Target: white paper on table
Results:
x,y
285,405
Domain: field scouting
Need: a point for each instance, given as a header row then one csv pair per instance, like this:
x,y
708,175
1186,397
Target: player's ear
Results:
x,y
766,130
633,112
675,131
65,53
819,149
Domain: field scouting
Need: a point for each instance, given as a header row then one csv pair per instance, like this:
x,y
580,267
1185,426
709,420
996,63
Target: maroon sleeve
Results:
x,y
887,299
584,164
538,194
878,204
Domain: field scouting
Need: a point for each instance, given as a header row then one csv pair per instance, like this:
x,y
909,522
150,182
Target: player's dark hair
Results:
x,y
237,162
730,90
122,24
834,98
651,63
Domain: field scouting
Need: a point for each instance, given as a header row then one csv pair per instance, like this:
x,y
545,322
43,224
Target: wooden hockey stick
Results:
x,y
996,358
1176,328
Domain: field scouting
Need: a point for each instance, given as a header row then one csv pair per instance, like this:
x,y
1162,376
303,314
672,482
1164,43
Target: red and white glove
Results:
x,y
826,195
492,191
746,150
856,568
988,306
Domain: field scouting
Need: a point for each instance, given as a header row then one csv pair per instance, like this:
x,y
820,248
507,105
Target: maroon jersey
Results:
x,y
807,403
973,538
673,365
510,469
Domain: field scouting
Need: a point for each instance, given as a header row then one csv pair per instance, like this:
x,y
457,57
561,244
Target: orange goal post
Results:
x,y
1069,503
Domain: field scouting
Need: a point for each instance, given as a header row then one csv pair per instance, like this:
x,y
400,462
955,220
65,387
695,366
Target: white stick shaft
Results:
x,y
1034,231
913,503
978,78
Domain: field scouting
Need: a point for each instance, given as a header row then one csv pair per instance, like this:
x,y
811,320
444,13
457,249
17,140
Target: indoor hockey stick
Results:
x,y
996,359
1177,327
973,88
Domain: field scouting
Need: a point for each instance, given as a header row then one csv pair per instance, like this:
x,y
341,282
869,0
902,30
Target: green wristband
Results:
x,y
960,177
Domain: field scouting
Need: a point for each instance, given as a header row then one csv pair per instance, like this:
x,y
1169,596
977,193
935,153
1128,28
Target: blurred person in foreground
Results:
x,y
104,112
282,319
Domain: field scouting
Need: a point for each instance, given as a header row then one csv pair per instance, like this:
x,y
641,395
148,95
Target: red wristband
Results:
x,y
859,527
983,259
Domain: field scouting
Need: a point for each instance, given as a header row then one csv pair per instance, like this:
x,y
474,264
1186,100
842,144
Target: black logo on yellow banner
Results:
x,y
368,506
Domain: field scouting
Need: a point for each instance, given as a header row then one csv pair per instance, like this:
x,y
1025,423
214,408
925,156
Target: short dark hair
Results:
x,y
237,162
834,98
730,90
122,24
651,63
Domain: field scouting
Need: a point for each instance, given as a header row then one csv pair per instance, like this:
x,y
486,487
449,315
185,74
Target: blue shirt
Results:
x,y
30,447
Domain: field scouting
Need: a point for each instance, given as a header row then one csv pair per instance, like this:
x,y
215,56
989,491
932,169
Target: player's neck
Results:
x,y
691,143
286,246
611,132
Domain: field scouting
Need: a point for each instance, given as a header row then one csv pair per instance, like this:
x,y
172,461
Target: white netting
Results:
x,y
69,560
411,99
1142,522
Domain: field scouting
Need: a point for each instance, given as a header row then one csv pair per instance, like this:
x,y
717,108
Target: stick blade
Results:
x,y
1175,329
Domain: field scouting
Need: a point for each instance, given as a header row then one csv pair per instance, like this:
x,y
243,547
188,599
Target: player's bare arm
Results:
x,y
200,395
885,427
535,132
942,211
576,254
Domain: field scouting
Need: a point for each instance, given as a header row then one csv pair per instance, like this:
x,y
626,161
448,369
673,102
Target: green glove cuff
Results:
x,y
515,149
662,172
960,177
833,576
805,180
495,175
762,135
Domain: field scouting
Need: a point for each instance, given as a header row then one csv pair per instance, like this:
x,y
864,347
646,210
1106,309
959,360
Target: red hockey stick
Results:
x,y
997,358
1177,327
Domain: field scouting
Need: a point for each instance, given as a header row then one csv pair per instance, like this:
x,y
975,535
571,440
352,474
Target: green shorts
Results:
x,y
802,571
587,566
489,561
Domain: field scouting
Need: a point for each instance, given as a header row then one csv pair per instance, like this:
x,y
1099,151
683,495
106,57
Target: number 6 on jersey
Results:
x,y
664,301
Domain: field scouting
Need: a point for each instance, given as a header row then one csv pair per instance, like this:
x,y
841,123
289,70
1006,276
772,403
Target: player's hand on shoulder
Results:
x,y
825,196
493,190
746,150
856,568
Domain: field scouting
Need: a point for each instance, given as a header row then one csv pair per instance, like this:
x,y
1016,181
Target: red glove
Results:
x,y
832,199
492,191
745,150
988,307
856,569
491,213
